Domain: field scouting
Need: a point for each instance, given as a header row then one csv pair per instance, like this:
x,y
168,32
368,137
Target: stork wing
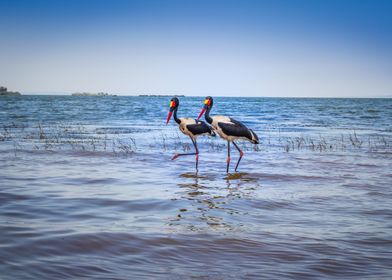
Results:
x,y
235,128
237,122
198,128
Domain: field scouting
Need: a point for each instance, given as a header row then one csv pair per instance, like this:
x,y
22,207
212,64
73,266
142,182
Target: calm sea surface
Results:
x,y
88,190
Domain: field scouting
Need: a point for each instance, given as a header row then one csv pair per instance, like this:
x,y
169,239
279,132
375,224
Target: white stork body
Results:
x,y
186,123
216,125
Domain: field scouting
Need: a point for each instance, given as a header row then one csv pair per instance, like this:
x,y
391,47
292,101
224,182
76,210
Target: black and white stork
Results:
x,y
228,129
191,127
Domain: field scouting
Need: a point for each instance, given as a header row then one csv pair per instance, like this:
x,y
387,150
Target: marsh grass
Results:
x,y
351,142
66,137
77,137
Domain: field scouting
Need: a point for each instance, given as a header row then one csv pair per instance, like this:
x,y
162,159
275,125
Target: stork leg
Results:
x,y
190,154
228,156
197,153
241,154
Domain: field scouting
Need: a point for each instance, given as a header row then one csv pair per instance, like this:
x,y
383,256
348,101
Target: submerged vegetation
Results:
x,y
344,142
122,141
65,137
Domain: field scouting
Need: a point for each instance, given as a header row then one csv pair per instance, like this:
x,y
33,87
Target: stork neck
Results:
x,y
207,115
175,116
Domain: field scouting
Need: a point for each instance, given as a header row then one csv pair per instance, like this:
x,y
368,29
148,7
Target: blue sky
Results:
x,y
235,48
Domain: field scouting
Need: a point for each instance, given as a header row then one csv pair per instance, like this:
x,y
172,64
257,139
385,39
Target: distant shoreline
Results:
x,y
5,92
160,95
92,94
10,93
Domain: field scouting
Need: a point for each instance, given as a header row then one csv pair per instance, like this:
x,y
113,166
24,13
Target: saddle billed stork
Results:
x,y
228,129
191,127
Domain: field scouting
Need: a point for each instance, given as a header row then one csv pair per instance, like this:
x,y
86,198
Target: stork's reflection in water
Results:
x,y
210,200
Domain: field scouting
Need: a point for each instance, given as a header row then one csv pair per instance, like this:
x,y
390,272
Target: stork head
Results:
x,y
207,105
174,102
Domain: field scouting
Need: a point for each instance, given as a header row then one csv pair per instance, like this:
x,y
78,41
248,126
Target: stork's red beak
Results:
x,y
169,116
201,113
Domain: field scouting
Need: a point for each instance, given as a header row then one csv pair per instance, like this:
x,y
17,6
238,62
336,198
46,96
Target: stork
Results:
x,y
191,127
228,129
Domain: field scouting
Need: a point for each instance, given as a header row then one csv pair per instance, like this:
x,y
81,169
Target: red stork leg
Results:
x,y
228,156
190,154
197,153
241,154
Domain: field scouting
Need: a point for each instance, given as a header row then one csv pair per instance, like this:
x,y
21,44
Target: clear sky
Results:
x,y
198,47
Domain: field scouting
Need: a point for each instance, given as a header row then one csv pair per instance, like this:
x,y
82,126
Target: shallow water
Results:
x,y
87,190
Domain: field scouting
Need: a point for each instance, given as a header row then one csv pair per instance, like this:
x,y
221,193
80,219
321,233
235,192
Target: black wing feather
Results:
x,y
235,128
199,127
237,122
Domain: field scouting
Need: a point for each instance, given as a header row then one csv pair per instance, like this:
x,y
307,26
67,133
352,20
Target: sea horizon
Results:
x,y
204,95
